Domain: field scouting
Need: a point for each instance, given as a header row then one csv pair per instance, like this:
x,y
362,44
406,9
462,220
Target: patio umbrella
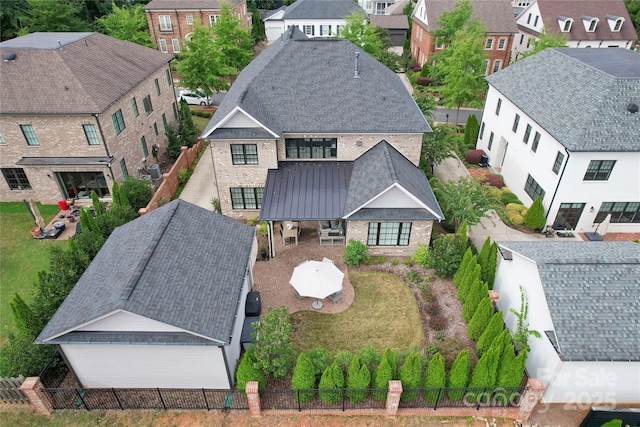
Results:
x,y
37,217
604,225
316,279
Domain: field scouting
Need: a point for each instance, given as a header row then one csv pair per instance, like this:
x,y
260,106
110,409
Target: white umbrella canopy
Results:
x,y
317,279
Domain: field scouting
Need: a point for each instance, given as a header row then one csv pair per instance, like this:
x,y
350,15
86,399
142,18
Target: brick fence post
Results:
x,y
32,388
531,398
393,397
253,398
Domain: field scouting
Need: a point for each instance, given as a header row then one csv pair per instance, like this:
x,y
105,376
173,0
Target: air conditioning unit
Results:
x,y
145,177
154,171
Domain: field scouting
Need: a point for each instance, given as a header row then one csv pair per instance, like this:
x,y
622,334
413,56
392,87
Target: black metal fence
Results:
x,y
336,399
466,397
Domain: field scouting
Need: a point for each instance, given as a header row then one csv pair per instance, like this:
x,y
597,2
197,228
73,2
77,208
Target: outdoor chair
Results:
x,y
298,295
335,297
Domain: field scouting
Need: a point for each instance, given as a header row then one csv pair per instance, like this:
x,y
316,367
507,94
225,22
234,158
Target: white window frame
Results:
x,y
164,20
163,45
565,24
496,65
189,18
488,44
212,20
307,28
175,45
325,30
502,42
589,22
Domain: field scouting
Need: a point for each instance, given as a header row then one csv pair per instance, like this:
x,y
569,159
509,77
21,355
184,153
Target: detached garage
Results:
x,y
161,305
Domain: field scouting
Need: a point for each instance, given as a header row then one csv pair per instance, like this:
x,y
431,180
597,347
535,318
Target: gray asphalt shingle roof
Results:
x,y
308,86
321,9
89,73
188,4
592,290
579,96
497,15
179,264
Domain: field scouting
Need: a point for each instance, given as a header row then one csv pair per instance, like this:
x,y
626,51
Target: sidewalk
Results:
x,y
201,187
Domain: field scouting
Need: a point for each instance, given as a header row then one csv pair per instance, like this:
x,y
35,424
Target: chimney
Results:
x,y
357,71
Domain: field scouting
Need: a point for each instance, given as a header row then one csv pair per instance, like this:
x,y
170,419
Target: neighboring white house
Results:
x,y
376,7
592,23
161,305
564,124
582,298
315,18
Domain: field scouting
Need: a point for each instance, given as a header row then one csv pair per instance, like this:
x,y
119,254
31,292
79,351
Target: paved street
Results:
x,y
447,115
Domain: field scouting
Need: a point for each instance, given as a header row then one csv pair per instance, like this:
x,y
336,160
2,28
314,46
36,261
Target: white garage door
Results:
x,y
163,366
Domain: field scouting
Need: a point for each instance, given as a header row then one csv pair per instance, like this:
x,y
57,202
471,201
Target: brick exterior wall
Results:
x,y
63,136
179,26
420,233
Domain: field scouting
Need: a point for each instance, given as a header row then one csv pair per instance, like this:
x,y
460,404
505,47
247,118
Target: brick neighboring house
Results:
x,y
171,21
77,111
310,131
587,23
496,15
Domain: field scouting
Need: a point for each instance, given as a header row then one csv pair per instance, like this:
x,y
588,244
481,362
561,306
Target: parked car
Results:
x,y
193,97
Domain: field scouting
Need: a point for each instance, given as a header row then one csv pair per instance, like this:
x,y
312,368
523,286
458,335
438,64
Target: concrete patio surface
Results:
x,y
201,187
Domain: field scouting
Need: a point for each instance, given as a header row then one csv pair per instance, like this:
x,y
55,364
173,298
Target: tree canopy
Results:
x,y
359,32
463,200
127,23
54,15
545,40
232,42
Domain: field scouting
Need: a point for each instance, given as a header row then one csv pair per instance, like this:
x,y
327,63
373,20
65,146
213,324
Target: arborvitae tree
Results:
x,y
303,379
434,378
461,234
187,130
495,326
23,316
358,378
383,375
370,357
477,292
458,375
410,376
331,384
390,356
463,265
88,222
483,376
471,130
501,342
483,256
480,319
98,206
534,218
320,359
471,276
247,372
492,265
510,371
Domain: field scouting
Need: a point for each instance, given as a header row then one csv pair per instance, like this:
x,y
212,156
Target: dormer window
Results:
x,y
590,23
565,23
615,22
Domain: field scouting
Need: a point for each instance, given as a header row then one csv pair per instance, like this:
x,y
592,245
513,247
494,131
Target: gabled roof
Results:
x,y
579,96
392,22
321,9
397,8
188,4
592,293
180,264
309,86
496,15
382,167
551,9
83,74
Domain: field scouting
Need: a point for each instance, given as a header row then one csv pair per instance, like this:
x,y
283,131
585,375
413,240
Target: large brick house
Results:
x,y
496,15
171,21
313,130
77,111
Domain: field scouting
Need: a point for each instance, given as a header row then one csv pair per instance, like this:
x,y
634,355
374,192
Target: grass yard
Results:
x,y
383,314
21,256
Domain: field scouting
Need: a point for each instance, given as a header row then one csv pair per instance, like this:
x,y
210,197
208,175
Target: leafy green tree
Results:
x,y
466,258
383,374
534,218
450,21
410,376
265,4
138,192
54,15
522,332
13,17
471,130
127,23
476,293
247,372
446,255
434,378
427,104
201,65
437,145
480,319
331,384
458,375
463,200
545,40
613,423
364,35
370,357
257,26
358,378
303,379
320,359
355,253
274,353
633,7
494,328
20,357
232,42
390,357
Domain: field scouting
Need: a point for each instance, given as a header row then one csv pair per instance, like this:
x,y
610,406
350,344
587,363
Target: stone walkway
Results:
x,y
201,187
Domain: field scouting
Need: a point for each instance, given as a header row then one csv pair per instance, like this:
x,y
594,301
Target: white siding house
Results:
x,y
561,124
142,317
582,299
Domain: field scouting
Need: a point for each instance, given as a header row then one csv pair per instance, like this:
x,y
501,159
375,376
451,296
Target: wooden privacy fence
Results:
x,y
10,390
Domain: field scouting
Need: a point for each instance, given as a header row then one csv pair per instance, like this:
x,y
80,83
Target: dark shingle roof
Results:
x,y
579,96
188,4
392,22
321,9
497,15
551,9
89,73
308,86
179,264
381,167
592,291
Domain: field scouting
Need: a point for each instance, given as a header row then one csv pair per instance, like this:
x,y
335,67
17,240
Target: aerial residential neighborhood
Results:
x,y
415,210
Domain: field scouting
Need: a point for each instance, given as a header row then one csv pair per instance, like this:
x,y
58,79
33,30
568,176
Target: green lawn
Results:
x,y
21,256
383,314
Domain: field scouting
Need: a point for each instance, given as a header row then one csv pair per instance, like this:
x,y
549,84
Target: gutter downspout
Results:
x,y
559,179
106,148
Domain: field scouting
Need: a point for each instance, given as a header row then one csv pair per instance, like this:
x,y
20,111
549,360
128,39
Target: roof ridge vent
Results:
x,y
632,107
357,70
9,57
